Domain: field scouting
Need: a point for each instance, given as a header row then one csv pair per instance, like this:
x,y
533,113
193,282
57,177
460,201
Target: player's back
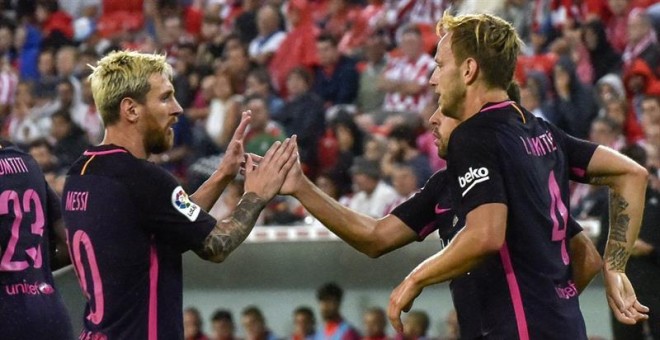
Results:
x,y
522,164
30,306
131,278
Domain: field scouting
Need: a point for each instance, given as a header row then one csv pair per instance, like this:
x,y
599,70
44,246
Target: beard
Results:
x,y
442,147
453,102
156,139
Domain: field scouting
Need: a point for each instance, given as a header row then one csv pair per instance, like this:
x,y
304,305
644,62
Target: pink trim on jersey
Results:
x,y
153,294
498,106
102,153
514,290
578,172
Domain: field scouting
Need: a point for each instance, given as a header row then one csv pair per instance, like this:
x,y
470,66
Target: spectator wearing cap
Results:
x,y
335,327
372,195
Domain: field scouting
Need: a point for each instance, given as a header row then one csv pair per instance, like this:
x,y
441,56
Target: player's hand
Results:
x,y
234,155
266,179
622,299
401,300
294,177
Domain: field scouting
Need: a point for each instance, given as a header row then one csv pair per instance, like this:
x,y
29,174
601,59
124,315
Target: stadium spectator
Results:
x,y
335,76
254,324
222,324
304,324
374,322
329,297
269,37
193,325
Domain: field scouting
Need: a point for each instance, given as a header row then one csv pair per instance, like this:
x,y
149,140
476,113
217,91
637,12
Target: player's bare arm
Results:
x,y
585,260
483,234
373,237
211,189
627,182
261,184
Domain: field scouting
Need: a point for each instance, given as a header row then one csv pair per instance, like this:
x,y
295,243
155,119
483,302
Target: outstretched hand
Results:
x,y
234,155
294,177
622,299
267,178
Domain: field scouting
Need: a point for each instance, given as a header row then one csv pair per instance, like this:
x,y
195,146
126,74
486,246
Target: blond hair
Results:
x,y
490,40
124,74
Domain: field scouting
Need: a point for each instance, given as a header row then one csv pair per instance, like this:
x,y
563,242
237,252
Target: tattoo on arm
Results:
x,y
616,253
598,180
618,220
229,233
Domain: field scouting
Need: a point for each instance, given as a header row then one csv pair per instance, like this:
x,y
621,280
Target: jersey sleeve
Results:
x,y
578,154
429,209
473,163
168,211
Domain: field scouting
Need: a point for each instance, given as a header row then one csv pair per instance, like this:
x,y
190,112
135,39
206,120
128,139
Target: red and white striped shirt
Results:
x,y
402,69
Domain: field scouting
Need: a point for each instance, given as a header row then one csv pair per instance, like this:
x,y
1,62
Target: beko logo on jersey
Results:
x,y
472,177
184,205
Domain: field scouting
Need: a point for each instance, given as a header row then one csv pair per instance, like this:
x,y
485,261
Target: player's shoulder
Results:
x,y
439,179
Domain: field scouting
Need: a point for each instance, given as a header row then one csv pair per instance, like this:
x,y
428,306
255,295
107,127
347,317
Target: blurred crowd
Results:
x,y
331,324
348,77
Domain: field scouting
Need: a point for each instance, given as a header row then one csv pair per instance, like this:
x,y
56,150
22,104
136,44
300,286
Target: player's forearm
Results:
x,y
586,261
229,233
207,194
626,209
484,234
462,254
627,181
354,228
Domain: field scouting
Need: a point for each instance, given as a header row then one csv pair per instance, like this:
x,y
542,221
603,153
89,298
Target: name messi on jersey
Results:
x,y
76,201
540,145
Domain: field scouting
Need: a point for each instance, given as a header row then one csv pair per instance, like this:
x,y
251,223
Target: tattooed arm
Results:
x,y
229,233
627,182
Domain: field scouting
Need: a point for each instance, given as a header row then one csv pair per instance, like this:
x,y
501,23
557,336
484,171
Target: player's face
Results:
x,y
160,112
446,79
442,127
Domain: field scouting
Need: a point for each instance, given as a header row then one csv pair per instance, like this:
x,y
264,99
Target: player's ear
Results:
x,y
470,71
129,110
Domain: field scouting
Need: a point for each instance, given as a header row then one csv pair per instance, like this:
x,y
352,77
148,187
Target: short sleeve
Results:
x,y
474,168
578,154
168,211
429,209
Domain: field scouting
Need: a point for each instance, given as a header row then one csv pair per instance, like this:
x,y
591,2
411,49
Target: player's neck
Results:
x,y
478,96
132,142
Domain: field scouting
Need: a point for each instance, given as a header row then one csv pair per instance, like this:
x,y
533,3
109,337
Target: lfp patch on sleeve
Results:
x,y
184,205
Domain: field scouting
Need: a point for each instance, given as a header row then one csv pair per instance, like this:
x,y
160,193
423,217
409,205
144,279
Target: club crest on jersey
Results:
x,y
472,177
182,204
